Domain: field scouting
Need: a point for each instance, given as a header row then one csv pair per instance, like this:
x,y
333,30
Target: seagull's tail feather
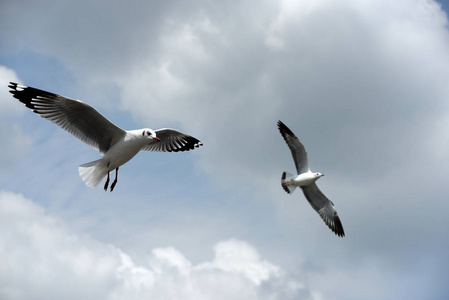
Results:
x,y
286,177
92,172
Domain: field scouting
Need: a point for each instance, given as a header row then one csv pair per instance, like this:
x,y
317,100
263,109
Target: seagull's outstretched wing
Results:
x,y
299,153
172,140
324,207
76,117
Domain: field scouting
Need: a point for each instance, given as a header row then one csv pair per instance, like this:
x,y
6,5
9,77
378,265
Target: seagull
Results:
x,y
118,146
306,180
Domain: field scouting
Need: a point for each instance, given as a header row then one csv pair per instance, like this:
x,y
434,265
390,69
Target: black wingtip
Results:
x,y
24,93
333,223
280,124
12,85
283,129
191,144
337,227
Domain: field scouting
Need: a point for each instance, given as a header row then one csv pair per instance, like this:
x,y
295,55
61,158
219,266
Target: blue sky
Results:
x,y
361,83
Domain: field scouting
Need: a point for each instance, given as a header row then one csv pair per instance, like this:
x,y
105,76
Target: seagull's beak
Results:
x,y
156,138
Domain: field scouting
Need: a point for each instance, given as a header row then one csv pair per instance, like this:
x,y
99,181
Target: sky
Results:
x,y
363,84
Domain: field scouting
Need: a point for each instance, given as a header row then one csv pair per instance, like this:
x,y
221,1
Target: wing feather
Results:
x,y
324,207
172,140
74,116
297,149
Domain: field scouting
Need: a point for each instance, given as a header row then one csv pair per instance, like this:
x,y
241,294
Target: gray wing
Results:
x,y
76,117
324,207
172,140
298,150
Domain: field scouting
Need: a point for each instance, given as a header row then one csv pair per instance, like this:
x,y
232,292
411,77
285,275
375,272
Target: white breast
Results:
x,y
124,149
305,179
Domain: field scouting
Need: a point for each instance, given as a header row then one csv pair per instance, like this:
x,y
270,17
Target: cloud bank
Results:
x,y
40,256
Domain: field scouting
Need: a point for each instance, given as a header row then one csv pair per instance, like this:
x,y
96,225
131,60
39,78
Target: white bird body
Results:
x,y
92,173
118,146
302,179
126,148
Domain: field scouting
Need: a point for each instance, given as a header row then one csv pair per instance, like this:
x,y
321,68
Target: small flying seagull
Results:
x,y
88,125
306,180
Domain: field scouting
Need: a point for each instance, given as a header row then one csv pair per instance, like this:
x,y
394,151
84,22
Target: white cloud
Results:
x,y
7,104
240,258
14,142
41,258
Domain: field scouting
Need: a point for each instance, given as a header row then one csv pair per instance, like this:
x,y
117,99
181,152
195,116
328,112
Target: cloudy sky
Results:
x,y
363,84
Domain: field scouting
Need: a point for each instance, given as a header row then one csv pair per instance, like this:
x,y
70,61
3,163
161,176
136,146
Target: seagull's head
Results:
x,y
150,134
318,175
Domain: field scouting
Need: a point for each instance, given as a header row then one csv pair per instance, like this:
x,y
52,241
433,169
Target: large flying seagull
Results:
x,y
88,125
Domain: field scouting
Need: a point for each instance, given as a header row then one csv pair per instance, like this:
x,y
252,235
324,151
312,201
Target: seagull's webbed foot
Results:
x,y
106,183
115,180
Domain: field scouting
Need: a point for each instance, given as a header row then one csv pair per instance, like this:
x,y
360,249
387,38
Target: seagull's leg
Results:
x,y
106,183
115,180
107,180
